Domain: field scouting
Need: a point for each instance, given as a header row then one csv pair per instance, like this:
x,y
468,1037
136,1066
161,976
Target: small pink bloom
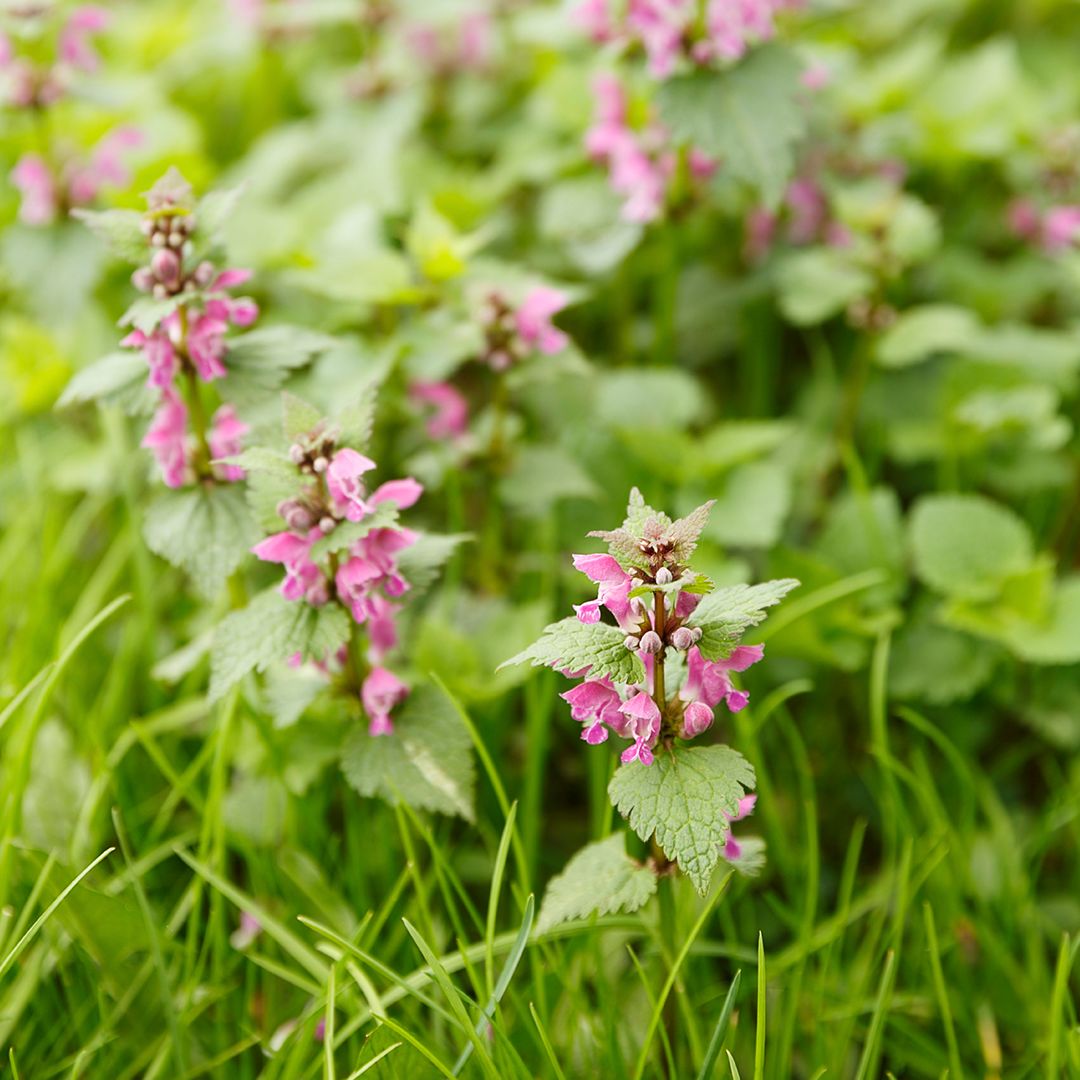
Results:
x,y
474,41
248,930
1060,228
229,279
166,438
402,493
343,482
157,349
303,579
708,682
816,77
698,717
382,629
1023,218
589,612
533,320
808,210
382,690
661,26
74,45
206,346
595,704
36,183
594,19
354,579
225,439
642,725
450,419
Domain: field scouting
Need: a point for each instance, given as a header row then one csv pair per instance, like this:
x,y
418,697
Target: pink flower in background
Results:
x,y
474,40
609,130
37,186
1024,219
246,933
382,690
74,45
816,77
809,210
533,320
106,166
167,439
594,19
226,439
450,419
732,849
206,345
661,26
1060,228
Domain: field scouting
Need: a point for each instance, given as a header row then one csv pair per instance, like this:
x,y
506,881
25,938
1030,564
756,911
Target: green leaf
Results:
x,y
937,664
922,331
753,507
749,116
682,799
966,546
271,629
641,520
540,477
690,582
118,377
572,645
146,313
298,417
819,283
683,534
206,531
121,232
259,361
726,614
427,762
421,562
212,214
600,879
1055,640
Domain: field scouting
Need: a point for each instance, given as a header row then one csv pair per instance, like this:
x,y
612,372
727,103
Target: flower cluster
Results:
x,y
643,712
641,160
805,217
513,333
466,45
362,574
1054,230
678,33
60,177
181,334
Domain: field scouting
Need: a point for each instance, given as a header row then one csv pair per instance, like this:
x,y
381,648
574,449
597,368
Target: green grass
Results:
x,y
905,922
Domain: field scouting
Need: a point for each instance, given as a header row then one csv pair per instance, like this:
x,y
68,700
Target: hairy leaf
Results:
x,y
683,799
725,614
121,231
427,761
259,361
600,879
571,645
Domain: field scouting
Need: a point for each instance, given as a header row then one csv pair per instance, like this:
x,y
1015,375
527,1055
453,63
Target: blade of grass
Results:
x,y
868,1061
493,896
553,1061
956,1071
762,1009
373,1062
328,1031
716,1043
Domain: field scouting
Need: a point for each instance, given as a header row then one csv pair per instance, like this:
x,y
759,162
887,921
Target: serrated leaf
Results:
x,y
263,459
117,374
727,613
690,582
146,313
206,531
355,421
271,629
641,521
298,417
600,879
684,799
571,645
749,116
420,563
427,761
967,546
120,230
684,532
259,361
212,213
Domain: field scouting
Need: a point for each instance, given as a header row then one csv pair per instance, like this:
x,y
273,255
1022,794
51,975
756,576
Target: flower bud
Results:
x,y
651,643
147,226
318,594
631,643
683,638
296,453
204,273
176,240
664,576
696,632
143,279
166,268
320,464
158,238
697,718
160,292
327,525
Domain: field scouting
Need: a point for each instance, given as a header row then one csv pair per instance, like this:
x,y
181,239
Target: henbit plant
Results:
x,y
655,678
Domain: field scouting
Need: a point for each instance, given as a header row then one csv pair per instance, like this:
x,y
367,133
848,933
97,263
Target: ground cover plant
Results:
x,y
345,731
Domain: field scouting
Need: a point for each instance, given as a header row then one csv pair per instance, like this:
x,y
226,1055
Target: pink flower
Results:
x,y
157,348
166,438
1023,218
343,482
613,592
808,210
354,580
661,26
450,419
595,703
105,167
380,548
402,493
594,19
206,345
246,933
1060,228
642,725
816,77
39,197
474,40
225,439
533,320
74,45
732,849
708,683
609,131
303,579
382,630
382,690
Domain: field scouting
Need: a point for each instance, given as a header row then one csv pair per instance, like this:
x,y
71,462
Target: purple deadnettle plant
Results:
x,y
656,654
